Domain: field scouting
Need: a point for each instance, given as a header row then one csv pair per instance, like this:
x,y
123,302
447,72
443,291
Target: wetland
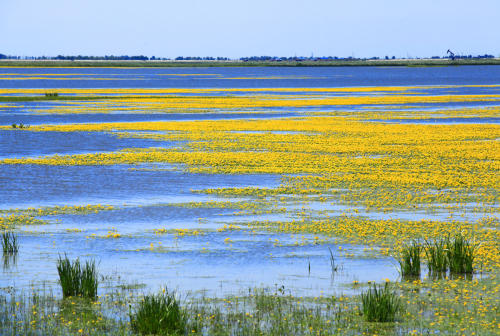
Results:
x,y
275,201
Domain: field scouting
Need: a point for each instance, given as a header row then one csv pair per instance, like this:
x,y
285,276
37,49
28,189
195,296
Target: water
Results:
x,y
20,115
195,262
114,185
241,77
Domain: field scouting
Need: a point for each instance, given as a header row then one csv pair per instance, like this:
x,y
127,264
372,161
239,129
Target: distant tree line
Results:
x,y
293,58
104,58
209,58
112,58
284,58
85,58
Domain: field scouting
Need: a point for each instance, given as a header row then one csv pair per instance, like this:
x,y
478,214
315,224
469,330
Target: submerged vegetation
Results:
x,y
443,305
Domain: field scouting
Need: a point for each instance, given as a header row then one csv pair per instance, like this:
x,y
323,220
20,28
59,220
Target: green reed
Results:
x,y
380,305
409,258
435,252
78,279
455,254
51,94
159,314
10,242
461,254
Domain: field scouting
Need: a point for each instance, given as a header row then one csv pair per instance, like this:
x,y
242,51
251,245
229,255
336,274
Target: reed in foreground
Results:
x,y
380,305
78,279
159,314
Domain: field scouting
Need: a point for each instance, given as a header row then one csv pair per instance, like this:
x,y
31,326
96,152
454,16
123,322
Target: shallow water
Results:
x,y
114,185
28,118
202,262
21,144
258,77
191,262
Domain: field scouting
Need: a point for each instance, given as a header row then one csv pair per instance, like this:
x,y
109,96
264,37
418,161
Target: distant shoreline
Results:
x,y
5,63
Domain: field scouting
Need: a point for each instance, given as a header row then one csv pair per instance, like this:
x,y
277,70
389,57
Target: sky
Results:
x,y
232,28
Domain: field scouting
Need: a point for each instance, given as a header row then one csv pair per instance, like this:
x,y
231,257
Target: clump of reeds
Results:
x,y
435,252
10,242
456,254
409,258
461,254
20,126
51,94
78,279
159,314
380,304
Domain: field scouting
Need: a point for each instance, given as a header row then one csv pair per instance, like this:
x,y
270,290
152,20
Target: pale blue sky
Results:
x,y
243,28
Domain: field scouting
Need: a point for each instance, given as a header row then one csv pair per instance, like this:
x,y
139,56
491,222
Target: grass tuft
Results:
x,y
78,279
409,258
380,305
159,314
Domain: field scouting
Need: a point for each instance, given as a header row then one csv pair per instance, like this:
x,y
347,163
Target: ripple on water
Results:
x,y
34,185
